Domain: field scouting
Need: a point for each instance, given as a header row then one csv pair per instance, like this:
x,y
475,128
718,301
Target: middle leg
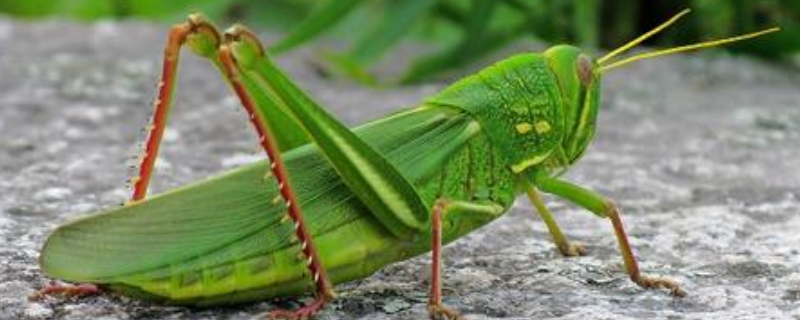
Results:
x,y
436,309
567,248
456,212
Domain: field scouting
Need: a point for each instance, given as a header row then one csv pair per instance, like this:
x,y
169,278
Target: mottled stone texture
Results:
x,y
701,153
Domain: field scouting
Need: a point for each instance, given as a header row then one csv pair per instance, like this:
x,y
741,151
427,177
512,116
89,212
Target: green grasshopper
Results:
x,y
334,204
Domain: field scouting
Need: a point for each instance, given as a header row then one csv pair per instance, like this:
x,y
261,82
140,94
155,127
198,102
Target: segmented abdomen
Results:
x,y
439,153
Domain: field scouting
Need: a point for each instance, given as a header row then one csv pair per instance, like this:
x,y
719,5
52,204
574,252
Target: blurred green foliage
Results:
x,y
458,32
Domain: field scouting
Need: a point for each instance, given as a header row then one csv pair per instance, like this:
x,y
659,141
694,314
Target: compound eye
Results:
x,y
585,72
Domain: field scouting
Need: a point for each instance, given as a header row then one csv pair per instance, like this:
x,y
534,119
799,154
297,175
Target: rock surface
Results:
x,y
700,152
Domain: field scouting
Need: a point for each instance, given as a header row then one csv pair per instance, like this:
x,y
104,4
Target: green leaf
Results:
x,y
585,22
176,10
341,65
399,18
475,43
453,58
80,9
327,15
477,24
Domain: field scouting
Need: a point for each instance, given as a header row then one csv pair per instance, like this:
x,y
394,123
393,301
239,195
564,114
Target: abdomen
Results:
x,y
181,258
352,251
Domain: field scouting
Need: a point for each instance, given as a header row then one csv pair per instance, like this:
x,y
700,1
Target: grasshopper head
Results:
x,y
579,83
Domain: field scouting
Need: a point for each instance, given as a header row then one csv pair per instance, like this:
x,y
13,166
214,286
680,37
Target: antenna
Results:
x,y
643,37
711,43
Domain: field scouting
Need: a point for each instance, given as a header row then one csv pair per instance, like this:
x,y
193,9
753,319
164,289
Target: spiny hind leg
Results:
x,y
606,209
67,290
324,289
196,28
203,38
206,41
566,247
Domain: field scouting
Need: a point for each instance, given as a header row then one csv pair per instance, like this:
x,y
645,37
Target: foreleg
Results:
x,y
606,209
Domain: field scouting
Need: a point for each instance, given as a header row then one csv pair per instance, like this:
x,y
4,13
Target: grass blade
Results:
x,y
399,18
328,14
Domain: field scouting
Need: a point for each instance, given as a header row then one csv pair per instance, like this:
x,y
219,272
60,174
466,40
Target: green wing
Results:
x,y
235,216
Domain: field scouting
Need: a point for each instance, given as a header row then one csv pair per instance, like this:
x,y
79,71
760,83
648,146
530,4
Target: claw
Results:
x,y
303,313
67,290
659,282
439,312
572,249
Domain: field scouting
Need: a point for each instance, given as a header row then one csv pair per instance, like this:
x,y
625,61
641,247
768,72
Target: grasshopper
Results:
x,y
334,204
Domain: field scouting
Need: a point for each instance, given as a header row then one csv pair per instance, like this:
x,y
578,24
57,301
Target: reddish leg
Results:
x,y
67,290
279,172
436,309
177,37
630,260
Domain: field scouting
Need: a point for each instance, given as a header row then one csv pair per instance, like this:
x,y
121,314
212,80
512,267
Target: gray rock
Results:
x,y
701,152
